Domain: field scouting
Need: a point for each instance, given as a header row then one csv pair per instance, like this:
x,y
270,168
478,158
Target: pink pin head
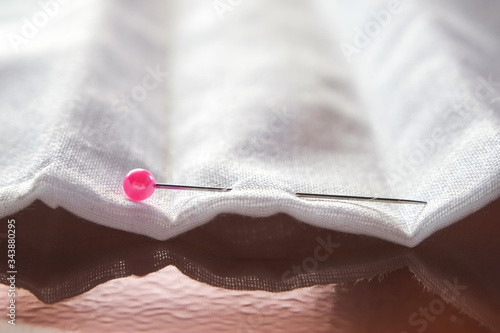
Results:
x,y
139,184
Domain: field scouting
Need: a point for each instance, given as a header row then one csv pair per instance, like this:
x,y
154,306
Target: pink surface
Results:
x,y
139,184
168,301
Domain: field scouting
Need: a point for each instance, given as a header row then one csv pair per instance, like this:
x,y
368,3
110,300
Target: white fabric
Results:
x,y
260,96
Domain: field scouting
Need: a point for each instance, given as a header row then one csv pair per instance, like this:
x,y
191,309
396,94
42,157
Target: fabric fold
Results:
x,y
372,99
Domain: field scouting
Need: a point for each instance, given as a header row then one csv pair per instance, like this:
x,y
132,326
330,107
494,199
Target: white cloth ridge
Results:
x,y
263,98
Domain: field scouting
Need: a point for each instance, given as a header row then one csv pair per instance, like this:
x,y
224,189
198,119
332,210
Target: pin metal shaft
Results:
x,y
300,195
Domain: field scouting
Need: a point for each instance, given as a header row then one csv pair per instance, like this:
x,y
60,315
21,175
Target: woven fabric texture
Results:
x,y
389,99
